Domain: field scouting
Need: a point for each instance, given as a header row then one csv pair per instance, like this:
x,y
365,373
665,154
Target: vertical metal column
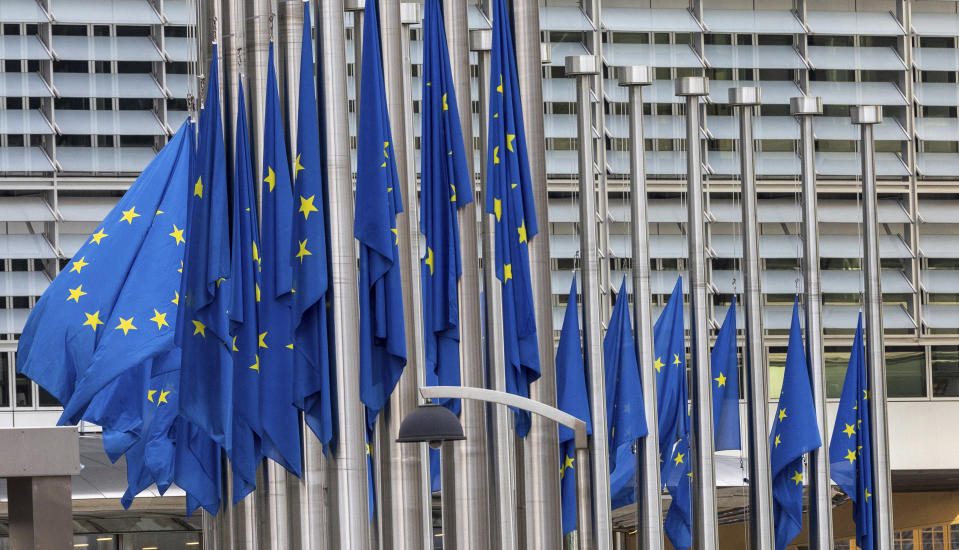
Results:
x,y
465,489
649,510
705,532
761,535
583,67
866,116
350,498
541,456
820,491
402,525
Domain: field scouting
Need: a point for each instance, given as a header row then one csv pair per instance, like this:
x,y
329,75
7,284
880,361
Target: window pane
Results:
x,y
945,371
45,399
24,391
954,536
840,545
836,360
931,538
905,372
904,540
4,380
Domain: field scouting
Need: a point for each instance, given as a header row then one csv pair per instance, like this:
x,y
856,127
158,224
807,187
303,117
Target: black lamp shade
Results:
x,y
430,423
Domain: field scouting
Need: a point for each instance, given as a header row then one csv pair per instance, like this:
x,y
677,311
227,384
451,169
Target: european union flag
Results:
x,y
673,410
850,451
203,329
313,390
725,369
281,424
244,285
571,397
108,313
624,393
445,187
795,433
197,466
509,197
382,334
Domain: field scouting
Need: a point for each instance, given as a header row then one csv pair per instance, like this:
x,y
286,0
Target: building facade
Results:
x,y
91,89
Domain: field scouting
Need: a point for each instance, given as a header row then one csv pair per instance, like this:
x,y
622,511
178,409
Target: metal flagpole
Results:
x,y
649,510
402,515
504,531
866,116
350,498
583,67
704,470
760,494
820,490
465,489
541,456
356,7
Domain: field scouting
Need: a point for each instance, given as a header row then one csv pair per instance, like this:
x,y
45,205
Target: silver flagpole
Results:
x,y
866,116
350,530
583,67
504,532
465,489
820,490
541,456
760,494
649,510
402,526
705,533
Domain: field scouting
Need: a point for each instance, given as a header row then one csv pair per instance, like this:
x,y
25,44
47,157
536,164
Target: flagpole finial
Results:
x,y
270,23
215,22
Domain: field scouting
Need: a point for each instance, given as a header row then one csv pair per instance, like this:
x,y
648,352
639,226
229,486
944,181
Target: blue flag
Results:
x,y
673,410
795,432
244,285
203,325
850,451
725,369
624,393
509,197
313,390
382,334
572,398
446,187
197,466
110,309
281,424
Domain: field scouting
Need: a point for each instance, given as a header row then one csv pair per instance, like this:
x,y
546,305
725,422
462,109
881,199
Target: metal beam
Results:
x,y
583,68
705,532
649,510
866,116
745,100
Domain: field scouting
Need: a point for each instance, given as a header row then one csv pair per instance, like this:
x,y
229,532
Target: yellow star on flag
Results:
x,y
867,495
306,206
98,236
75,294
79,264
150,394
256,288
176,298
679,459
234,344
257,258
93,320
658,364
498,208
270,178
720,380
163,394
782,414
522,232
262,342
849,431
509,141
797,477
507,272
199,328
256,363
297,167
445,106
452,193
177,235
496,154
198,188
126,325
567,464
128,215
429,259
159,319
500,87
865,394
850,456
777,441
676,359
303,252
396,236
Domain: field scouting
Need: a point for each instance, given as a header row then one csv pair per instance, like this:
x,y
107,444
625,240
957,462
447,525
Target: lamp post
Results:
x,y
434,424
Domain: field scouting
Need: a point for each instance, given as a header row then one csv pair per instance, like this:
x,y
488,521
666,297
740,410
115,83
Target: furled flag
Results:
x,y
446,187
245,287
625,409
572,398
673,407
382,334
850,451
281,425
509,197
724,362
110,310
313,391
203,325
795,433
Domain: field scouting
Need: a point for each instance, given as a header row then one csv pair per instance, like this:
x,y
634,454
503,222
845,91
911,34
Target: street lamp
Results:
x,y
433,424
